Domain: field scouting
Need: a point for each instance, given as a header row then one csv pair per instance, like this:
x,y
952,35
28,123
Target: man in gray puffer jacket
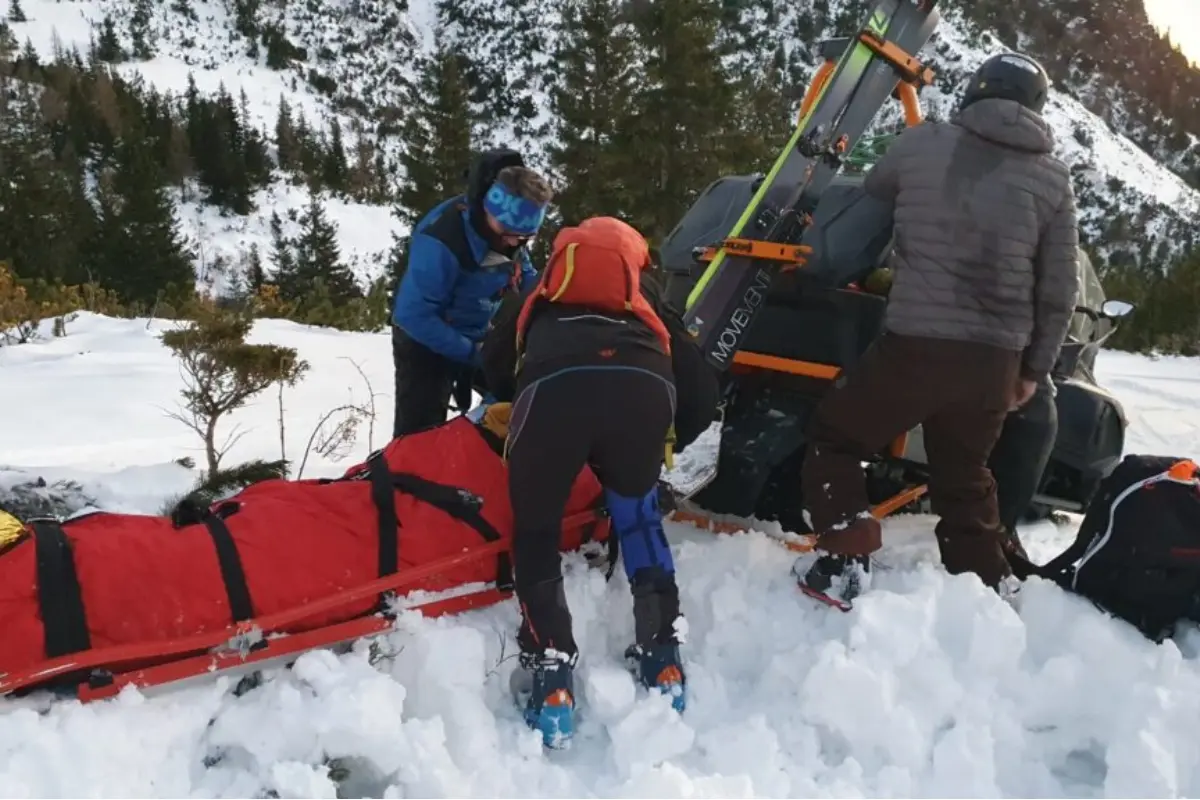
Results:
x,y
985,282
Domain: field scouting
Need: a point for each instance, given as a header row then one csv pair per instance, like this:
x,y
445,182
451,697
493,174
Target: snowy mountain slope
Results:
x,y
1112,175
206,47
356,60
223,242
931,687
352,57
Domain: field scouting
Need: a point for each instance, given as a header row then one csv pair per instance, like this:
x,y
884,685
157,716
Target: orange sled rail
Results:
x,y
798,543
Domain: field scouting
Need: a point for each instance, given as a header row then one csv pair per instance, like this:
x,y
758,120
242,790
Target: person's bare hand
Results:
x,y
1022,393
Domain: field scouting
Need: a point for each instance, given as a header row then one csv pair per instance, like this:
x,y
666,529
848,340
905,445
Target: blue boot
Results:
x,y
658,624
549,680
659,667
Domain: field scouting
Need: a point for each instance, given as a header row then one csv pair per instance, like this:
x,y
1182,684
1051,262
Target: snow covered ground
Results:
x,y
932,686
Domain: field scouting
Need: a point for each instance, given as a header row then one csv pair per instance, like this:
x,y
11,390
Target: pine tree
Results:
x,y
40,219
15,12
334,168
592,105
362,182
141,251
139,29
287,144
316,265
676,145
255,160
108,47
179,160
8,42
436,135
255,276
245,18
766,118
282,257
231,159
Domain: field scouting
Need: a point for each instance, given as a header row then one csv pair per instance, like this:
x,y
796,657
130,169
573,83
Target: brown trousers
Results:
x,y
959,392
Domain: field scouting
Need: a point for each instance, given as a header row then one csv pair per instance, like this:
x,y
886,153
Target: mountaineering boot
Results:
x,y
660,668
842,569
659,627
547,680
833,579
548,656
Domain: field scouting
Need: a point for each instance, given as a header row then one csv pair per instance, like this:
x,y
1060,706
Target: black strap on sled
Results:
x,y
60,599
189,511
455,502
236,589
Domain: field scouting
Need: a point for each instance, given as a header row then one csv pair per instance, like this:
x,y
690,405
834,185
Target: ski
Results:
x,y
726,298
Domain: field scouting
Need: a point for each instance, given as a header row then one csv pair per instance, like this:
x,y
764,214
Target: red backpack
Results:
x,y
597,264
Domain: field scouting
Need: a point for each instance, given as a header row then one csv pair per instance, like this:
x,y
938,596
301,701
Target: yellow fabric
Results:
x,y
11,529
566,281
669,449
496,419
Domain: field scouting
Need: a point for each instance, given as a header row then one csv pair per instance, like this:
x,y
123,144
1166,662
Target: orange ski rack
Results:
x,y
911,70
913,74
908,100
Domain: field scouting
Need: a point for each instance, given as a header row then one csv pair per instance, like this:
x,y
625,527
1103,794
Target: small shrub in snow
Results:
x,y
221,372
25,304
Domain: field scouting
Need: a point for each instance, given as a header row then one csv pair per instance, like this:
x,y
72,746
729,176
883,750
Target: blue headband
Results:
x,y
515,214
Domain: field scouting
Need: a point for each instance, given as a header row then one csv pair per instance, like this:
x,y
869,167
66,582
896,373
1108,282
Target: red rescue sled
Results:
x,y
102,601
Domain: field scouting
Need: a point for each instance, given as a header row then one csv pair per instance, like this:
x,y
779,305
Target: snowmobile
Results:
x,y
816,319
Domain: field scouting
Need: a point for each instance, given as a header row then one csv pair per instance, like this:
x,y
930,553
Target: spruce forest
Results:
x,y
647,102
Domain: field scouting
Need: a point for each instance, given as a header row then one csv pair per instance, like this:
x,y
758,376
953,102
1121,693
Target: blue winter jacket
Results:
x,y
443,306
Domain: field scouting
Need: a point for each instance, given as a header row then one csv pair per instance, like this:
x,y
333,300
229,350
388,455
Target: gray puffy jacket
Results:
x,y
986,233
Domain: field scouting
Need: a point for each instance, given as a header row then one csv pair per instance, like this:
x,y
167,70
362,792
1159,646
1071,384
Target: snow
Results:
x,y
932,686
364,233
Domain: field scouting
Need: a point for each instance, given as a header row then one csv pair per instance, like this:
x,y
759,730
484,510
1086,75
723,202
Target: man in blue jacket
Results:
x,y
464,256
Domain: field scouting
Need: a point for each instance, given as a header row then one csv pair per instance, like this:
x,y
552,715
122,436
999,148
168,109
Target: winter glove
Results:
x,y
11,529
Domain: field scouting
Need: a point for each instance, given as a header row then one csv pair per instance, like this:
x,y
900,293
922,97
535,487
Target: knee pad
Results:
x,y
637,524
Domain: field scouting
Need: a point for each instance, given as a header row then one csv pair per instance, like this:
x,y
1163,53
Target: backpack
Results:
x,y
596,264
1137,553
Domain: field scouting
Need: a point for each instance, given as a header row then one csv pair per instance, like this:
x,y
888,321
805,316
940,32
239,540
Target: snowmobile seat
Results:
x,y
806,322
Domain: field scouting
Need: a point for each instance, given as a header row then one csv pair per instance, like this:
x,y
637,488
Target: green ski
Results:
x,y
726,298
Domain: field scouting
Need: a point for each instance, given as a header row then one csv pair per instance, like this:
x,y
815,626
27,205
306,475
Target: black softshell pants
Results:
x,y
425,382
615,420
1020,456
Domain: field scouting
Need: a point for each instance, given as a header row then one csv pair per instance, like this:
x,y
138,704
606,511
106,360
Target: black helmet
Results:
x,y
1009,76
